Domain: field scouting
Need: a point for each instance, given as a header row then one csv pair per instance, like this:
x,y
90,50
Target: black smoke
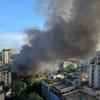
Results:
x,y
72,32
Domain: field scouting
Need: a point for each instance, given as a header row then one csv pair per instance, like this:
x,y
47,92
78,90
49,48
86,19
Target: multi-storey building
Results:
x,y
5,77
94,71
5,56
0,63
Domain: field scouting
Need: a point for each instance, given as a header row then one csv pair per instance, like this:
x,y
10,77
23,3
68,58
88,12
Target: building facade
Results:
x,y
5,77
2,97
94,71
5,56
45,89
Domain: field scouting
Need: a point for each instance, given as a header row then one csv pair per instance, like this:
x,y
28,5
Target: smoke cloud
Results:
x,y
72,31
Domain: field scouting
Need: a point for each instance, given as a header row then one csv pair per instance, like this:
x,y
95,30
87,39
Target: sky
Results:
x,y
15,16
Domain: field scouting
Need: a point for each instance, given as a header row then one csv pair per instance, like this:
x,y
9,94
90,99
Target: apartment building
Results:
x,y
5,77
5,57
94,71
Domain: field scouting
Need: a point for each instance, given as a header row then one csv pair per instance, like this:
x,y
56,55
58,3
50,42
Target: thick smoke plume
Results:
x,y
72,32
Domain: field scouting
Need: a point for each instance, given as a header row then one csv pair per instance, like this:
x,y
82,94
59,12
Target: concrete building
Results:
x,y
78,95
0,64
2,97
45,89
94,71
5,77
74,79
55,90
61,92
60,85
5,57
83,93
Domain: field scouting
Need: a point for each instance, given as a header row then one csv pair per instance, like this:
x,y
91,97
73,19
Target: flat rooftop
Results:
x,y
78,95
71,78
59,86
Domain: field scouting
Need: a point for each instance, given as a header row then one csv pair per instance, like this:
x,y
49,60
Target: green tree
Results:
x,y
18,88
70,68
34,96
29,80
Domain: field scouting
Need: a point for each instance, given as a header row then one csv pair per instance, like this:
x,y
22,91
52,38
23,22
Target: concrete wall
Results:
x,y
68,89
45,90
96,67
89,91
2,96
52,96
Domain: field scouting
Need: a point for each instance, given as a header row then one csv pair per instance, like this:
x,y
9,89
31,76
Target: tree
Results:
x,y
18,88
34,96
28,88
70,68
29,80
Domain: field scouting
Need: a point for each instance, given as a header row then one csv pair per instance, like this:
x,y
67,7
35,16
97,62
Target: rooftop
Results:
x,y
59,86
71,78
78,95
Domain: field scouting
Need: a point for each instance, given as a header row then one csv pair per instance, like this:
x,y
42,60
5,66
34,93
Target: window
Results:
x,y
92,78
92,66
93,71
7,83
92,62
98,58
92,85
93,81
92,74
98,63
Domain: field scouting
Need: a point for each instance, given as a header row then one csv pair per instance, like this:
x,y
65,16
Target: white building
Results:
x,y
94,71
5,77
